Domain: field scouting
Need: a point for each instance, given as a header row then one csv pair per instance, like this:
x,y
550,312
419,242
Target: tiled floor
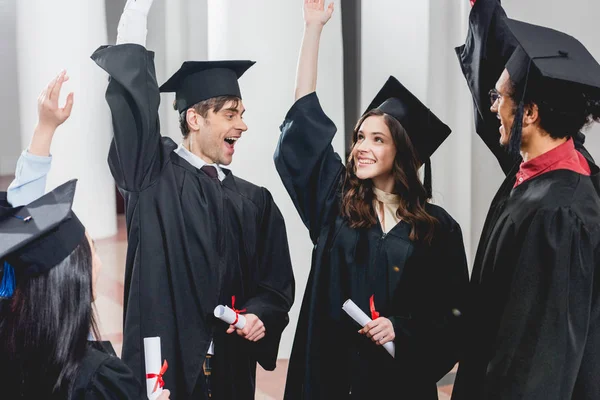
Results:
x,y
109,304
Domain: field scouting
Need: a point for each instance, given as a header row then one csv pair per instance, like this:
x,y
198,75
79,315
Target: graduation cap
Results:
x,y
36,237
425,130
547,57
5,206
196,81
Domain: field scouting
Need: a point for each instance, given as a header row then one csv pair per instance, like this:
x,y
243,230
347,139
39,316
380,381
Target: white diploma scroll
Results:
x,y
362,319
226,314
152,356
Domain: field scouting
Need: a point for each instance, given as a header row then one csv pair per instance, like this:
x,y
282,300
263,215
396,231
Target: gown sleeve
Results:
x,y
544,329
275,294
133,97
30,179
487,49
114,380
429,340
307,164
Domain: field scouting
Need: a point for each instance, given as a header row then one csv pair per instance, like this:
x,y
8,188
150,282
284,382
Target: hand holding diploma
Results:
x,y
379,330
248,326
154,370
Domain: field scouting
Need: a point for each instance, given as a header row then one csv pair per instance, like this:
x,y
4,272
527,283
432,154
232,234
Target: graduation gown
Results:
x,y
534,311
103,376
193,243
414,285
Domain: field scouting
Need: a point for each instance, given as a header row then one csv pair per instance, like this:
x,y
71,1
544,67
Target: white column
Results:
x,y
51,37
395,41
450,99
10,137
270,32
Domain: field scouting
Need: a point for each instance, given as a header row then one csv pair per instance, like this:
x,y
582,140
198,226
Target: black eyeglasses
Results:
x,y
494,96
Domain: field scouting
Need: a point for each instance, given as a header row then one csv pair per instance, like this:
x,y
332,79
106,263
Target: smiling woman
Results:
x,y
378,242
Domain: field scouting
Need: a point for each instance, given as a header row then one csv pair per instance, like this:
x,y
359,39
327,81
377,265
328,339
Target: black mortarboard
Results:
x,y
36,237
547,57
196,81
426,131
5,206
488,47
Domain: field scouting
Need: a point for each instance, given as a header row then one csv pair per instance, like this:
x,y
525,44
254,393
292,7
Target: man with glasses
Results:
x,y
534,314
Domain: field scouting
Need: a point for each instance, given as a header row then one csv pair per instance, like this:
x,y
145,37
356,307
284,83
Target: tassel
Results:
x,y
427,179
7,286
514,144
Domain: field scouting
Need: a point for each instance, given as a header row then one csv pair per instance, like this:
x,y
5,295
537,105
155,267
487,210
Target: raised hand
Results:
x,y
315,12
50,115
254,330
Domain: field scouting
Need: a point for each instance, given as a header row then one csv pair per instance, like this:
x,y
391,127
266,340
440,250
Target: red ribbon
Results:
x,y
374,313
472,2
237,312
159,377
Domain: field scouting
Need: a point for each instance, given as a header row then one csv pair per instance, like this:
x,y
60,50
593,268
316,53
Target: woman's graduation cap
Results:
x,y
36,237
546,57
426,131
197,81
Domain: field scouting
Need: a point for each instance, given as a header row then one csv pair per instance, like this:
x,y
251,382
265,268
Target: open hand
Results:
x,y
254,330
315,12
49,113
379,330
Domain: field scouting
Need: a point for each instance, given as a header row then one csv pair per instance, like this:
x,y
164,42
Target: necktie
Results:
x,y
210,171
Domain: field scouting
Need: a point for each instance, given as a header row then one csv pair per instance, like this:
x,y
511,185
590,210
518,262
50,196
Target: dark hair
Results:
x,y
45,327
563,108
202,108
357,197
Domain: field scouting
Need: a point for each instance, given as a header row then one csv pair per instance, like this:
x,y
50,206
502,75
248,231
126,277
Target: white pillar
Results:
x,y
51,37
270,33
10,138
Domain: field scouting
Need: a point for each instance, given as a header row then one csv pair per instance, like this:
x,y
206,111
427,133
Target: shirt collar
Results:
x,y
546,161
196,161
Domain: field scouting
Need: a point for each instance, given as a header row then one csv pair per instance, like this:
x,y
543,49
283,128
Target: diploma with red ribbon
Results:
x,y
154,370
362,319
231,315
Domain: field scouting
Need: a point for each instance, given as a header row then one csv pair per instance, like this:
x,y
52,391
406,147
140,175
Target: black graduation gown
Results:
x,y
415,286
103,376
193,243
533,316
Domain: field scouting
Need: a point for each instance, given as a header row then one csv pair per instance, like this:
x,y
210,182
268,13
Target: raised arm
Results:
x,y
34,163
315,18
133,97
487,48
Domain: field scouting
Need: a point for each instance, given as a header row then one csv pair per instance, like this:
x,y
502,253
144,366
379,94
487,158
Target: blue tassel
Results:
x,y
7,287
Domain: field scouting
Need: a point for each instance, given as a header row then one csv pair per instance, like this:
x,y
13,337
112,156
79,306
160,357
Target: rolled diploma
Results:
x,y
359,316
152,358
228,315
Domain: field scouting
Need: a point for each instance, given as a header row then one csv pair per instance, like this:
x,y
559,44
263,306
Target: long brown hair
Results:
x,y
357,196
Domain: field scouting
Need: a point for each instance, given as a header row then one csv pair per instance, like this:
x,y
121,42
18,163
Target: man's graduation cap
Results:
x,y
547,57
36,237
425,130
197,81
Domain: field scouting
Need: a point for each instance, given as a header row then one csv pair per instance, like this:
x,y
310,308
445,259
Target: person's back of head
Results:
x,y
45,323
